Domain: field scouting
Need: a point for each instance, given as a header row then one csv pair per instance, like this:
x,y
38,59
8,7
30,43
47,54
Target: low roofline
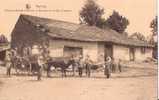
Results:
x,y
68,39
116,38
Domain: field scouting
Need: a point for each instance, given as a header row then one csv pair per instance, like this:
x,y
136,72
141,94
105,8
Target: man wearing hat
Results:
x,y
8,63
88,65
80,65
40,66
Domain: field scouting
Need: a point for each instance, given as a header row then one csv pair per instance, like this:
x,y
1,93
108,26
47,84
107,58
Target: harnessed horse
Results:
x,y
59,62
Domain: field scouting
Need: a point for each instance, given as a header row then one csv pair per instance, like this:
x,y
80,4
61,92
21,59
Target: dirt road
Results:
x,y
133,84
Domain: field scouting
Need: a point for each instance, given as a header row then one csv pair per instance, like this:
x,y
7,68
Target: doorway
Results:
x,y
132,54
2,55
108,51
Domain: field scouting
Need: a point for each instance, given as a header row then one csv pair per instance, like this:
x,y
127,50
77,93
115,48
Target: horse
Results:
x,y
59,62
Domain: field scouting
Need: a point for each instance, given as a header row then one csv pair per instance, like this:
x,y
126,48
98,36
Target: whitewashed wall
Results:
x,y
121,52
89,48
96,50
142,56
101,52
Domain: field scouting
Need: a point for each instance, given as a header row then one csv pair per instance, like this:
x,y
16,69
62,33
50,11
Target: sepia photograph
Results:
x,y
78,50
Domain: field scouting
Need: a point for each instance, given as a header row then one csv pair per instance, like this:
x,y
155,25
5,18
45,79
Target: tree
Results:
x,y
153,25
153,41
138,36
101,23
91,13
117,22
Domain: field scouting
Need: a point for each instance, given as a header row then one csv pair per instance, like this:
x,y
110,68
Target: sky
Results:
x,y
139,12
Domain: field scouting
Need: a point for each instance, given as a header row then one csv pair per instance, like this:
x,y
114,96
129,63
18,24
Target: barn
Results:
x,y
65,39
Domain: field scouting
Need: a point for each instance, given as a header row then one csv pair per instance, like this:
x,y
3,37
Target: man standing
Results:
x,y
73,64
88,66
80,66
49,63
107,70
13,57
113,65
40,67
8,63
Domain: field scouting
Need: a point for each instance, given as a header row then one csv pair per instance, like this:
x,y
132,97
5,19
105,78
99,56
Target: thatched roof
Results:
x,y
72,31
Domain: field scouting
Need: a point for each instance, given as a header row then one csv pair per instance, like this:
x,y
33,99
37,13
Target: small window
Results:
x,y
143,50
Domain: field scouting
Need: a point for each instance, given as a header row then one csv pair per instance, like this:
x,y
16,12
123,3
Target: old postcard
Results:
x,y
78,50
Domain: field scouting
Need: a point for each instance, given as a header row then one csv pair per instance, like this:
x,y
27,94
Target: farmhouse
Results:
x,y
65,39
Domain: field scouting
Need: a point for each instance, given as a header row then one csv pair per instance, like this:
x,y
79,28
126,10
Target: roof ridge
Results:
x,y
51,19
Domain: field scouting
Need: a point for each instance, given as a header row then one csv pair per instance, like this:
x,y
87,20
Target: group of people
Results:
x,y
110,65
36,59
79,63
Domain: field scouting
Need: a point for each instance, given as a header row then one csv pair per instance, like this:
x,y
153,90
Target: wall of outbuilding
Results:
x,y
89,48
101,52
140,56
121,52
96,51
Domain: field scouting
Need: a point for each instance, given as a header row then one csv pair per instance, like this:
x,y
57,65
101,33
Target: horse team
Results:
x,y
36,64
